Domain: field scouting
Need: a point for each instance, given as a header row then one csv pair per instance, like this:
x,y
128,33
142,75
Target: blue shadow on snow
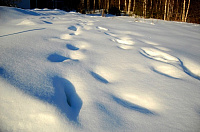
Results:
x,y
73,28
187,71
133,106
156,71
47,22
71,47
27,12
66,98
2,71
9,76
56,58
98,77
23,32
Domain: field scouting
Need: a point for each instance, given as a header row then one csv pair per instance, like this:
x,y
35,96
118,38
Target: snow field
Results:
x,y
71,72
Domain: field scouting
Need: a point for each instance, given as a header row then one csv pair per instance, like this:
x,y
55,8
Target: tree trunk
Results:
x,y
187,10
108,4
183,14
99,5
94,7
156,10
177,9
119,4
112,4
165,12
133,6
168,10
151,5
160,7
125,9
129,7
144,8
151,8
172,9
88,5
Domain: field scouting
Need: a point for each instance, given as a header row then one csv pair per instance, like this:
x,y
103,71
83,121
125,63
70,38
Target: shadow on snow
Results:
x,y
133,106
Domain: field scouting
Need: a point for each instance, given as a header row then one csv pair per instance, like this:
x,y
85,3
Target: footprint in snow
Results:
x,y
57,58
73,28
158,55
71,47
72,34
66,98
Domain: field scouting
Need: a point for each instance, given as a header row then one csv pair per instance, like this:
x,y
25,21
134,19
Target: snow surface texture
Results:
x,y
71,72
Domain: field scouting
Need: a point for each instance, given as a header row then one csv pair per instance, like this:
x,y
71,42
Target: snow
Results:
x,y
64,71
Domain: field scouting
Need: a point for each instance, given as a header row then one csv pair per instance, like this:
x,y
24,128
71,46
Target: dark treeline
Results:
x,y
172,10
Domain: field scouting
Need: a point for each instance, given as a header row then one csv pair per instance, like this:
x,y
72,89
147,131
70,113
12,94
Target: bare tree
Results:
x,y
144,8
183,13
157,8
108,4
94,7
168,10
151,8
187,10
82,6
129,6
119,4
125,8
112,4
177,9
165,11
88,5
160,5
133,6
172,8
99,5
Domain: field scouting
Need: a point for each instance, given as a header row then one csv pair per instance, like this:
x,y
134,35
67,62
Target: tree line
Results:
x,y
171,10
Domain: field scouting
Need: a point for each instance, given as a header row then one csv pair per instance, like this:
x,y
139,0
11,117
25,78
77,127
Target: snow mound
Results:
x,y
26,22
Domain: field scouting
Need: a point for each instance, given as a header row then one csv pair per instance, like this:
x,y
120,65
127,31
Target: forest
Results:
x,y
171,10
